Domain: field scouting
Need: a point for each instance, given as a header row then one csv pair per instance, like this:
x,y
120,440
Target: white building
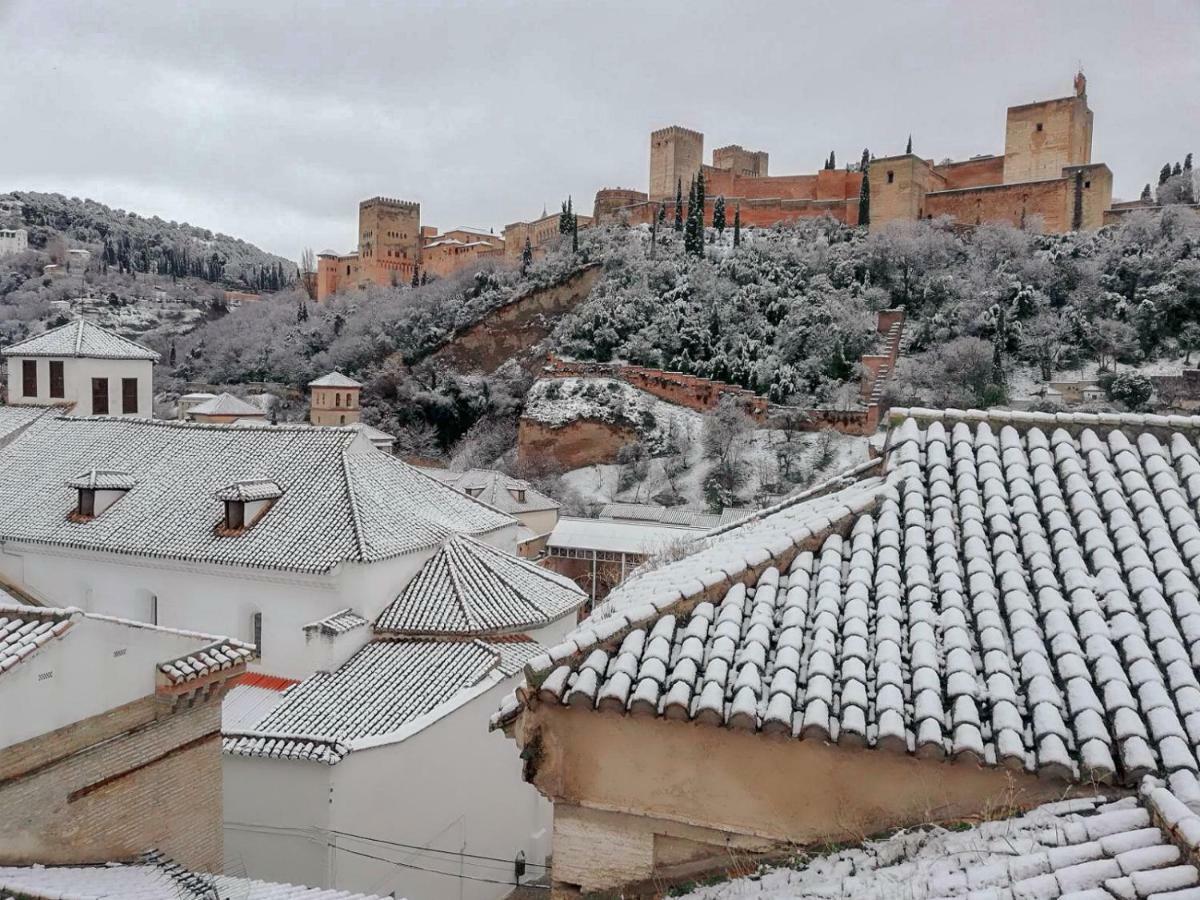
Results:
x,y
537,513
84,368
250,531
343,779
13,240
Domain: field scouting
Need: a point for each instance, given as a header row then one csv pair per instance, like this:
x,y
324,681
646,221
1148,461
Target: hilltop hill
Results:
x,y
132,243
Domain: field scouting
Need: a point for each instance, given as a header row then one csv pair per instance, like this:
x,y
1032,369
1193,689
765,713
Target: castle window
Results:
x,y
891,176
1039,126
1087,184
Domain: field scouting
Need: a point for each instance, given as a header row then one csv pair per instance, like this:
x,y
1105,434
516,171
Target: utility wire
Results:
x,y
377,840
433,871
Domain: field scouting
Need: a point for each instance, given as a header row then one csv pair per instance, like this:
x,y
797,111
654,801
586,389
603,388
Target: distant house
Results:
x,y
537,513
224,409
13,240
190,401
83,368
109,738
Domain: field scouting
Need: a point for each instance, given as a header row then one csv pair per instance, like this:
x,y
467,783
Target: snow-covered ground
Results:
x,y
557,401
602,484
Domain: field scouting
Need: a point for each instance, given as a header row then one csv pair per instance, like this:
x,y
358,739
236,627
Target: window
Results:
x,y
341,420
256,632
129,396
29,377
235,515
891,176
57,388
1039,126
87,503
153,609
99,396
1087,184
518,494
474,491
337,399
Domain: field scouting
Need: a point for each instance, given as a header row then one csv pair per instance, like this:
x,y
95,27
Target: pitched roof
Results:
x,y
336,380
15,419
616,536
26,629
1024,597
342,500
386,691
224,653
225,404
153,877
80,338
687,516
469,587
337,623
496,489
1086,848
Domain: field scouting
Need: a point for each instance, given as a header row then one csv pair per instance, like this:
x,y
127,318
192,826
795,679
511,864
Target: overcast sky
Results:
x,y
270,120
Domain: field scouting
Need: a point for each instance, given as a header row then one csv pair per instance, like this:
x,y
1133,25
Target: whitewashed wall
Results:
x,y
452,786
220,600
77,383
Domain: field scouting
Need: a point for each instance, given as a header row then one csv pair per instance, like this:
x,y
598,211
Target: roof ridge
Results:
x,y
451,571
355,519
79,336
526,565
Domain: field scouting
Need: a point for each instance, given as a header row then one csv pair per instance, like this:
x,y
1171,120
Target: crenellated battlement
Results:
x,y
410,205
676,131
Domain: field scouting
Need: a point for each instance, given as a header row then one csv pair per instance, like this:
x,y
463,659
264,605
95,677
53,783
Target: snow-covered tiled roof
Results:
x,y
337,623
469,587
103,480
250,490
373,434
253,696
616,536
690,517
26,629
226,404
216,657
1085,848
335,380
80,338
153,877
343,500
496,489
1019,596
15,419
386,691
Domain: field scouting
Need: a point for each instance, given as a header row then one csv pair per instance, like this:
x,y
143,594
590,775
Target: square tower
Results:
x,y
740,161
389,231
676,155
1041,139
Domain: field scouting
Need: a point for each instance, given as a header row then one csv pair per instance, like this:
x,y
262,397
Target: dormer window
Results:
x,y
518,494
97,490
245,502
474,491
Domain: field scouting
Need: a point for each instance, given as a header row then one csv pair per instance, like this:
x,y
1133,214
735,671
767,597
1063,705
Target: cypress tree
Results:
x,y
1146,192
700,200
689,232
416,279
864,200
719,215
679,204
171,362
662,214
526,259
424,278
654,223
1187,163
574,233
737,225
1164,173
908,146
1178,170
865,162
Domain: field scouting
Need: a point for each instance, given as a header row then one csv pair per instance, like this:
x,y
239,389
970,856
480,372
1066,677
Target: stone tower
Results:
x,y
1041,139
676,155
389,231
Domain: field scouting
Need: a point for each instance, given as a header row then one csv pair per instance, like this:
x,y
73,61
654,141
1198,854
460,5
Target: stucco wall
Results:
x,y
775,790
77,383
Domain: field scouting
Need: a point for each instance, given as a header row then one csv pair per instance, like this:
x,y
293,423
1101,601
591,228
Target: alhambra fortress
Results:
x,y
1045,173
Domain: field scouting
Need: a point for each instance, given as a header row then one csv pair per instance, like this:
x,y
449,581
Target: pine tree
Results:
x,y
908,146
679,204
1164,173
1146,193
719,215
1178,170
526,257
737,225
864,200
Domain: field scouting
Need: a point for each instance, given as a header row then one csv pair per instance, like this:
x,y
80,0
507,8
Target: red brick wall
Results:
x,y
115,785
973,172
1007,203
